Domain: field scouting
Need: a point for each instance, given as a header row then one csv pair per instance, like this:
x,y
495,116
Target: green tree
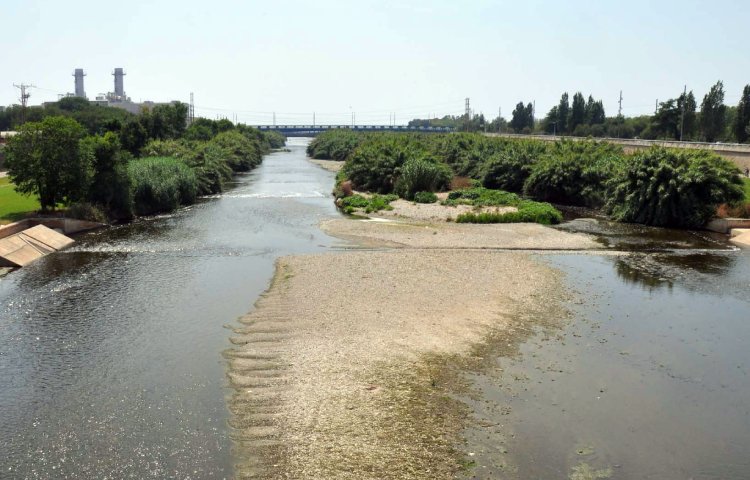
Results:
x,y
713,113
110,187
742,120
563,112
133,137
577,112
520,118
49,159
688,116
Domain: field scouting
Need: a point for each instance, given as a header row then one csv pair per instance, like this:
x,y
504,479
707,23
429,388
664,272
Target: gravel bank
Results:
x,y
330,165
524,236
342,369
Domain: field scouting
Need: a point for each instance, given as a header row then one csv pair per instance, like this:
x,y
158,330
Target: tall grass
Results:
x,y
161,184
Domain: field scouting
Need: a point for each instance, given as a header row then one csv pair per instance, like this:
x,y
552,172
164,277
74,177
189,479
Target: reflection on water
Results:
x,y
634,237
651,378
110,352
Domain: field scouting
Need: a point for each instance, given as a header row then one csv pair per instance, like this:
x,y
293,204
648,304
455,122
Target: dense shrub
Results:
x,y
422,174
574,173
86,211
274,139
376,165
425,197
161,184
509,168
528,212
368,204
242,153
334,144
482,197
679,188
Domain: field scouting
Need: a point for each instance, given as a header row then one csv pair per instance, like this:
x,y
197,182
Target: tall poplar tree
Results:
x,y
563,112
577,112
713,113
742,121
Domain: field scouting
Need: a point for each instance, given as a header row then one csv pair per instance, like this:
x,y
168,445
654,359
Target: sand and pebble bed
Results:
x,y
348,365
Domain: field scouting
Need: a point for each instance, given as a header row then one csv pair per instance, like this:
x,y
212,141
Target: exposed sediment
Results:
x,y
343,370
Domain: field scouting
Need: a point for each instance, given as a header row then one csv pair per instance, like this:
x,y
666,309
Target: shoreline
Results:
x,y
352,363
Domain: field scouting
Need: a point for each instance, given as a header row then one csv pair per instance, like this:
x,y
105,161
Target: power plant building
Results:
x,y
79,91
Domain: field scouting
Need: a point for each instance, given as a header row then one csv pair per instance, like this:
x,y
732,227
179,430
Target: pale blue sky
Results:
x,y
410,57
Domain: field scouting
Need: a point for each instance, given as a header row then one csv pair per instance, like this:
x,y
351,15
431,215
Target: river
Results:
x,y
111,352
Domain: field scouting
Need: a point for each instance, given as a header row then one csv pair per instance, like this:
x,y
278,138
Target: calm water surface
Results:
x,y
650,378
110,352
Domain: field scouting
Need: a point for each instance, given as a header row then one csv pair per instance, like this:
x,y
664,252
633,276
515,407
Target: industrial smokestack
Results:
x,y
119,88
78,74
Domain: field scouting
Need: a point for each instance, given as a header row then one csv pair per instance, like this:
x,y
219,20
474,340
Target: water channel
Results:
x,y
110,352
111,365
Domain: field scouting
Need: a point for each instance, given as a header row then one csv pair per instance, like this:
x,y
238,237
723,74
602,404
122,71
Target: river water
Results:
x,y
110,352
648,378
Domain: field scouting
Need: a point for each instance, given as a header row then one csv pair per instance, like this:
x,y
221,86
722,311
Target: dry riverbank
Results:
x,y
344,369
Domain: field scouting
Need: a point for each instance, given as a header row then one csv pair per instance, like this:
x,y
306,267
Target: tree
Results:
x,y
666,121
519,120
742,120
688,117
713,113
563,112
577,112
49,159
133,137
110,187
551,123
596,115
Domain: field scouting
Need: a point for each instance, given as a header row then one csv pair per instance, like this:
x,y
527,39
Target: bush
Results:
x,y
509,168
677,188
376,165
372,204
422,175
574,173
482,197
334,144
274,139
161,184
425,197
242,154
86,211
528,212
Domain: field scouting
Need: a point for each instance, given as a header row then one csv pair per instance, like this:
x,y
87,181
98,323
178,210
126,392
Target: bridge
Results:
x,y
312,130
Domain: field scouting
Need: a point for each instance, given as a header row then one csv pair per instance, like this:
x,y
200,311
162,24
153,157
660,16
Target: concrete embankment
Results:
x,y
29,240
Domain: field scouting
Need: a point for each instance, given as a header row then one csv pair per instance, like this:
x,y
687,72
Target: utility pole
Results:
x,y
274,119
619,111
682,118
313,119
656,106
191,110
24,99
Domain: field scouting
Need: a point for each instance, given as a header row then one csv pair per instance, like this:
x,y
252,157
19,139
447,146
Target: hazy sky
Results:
x,y
411,57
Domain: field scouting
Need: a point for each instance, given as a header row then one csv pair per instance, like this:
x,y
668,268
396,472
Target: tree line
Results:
x,y
677,118
103,163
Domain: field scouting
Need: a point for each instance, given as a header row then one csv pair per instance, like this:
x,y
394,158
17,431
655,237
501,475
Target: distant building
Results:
x,y
79,91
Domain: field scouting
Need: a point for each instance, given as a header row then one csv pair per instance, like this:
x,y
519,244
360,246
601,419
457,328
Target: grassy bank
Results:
x,y
13,205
